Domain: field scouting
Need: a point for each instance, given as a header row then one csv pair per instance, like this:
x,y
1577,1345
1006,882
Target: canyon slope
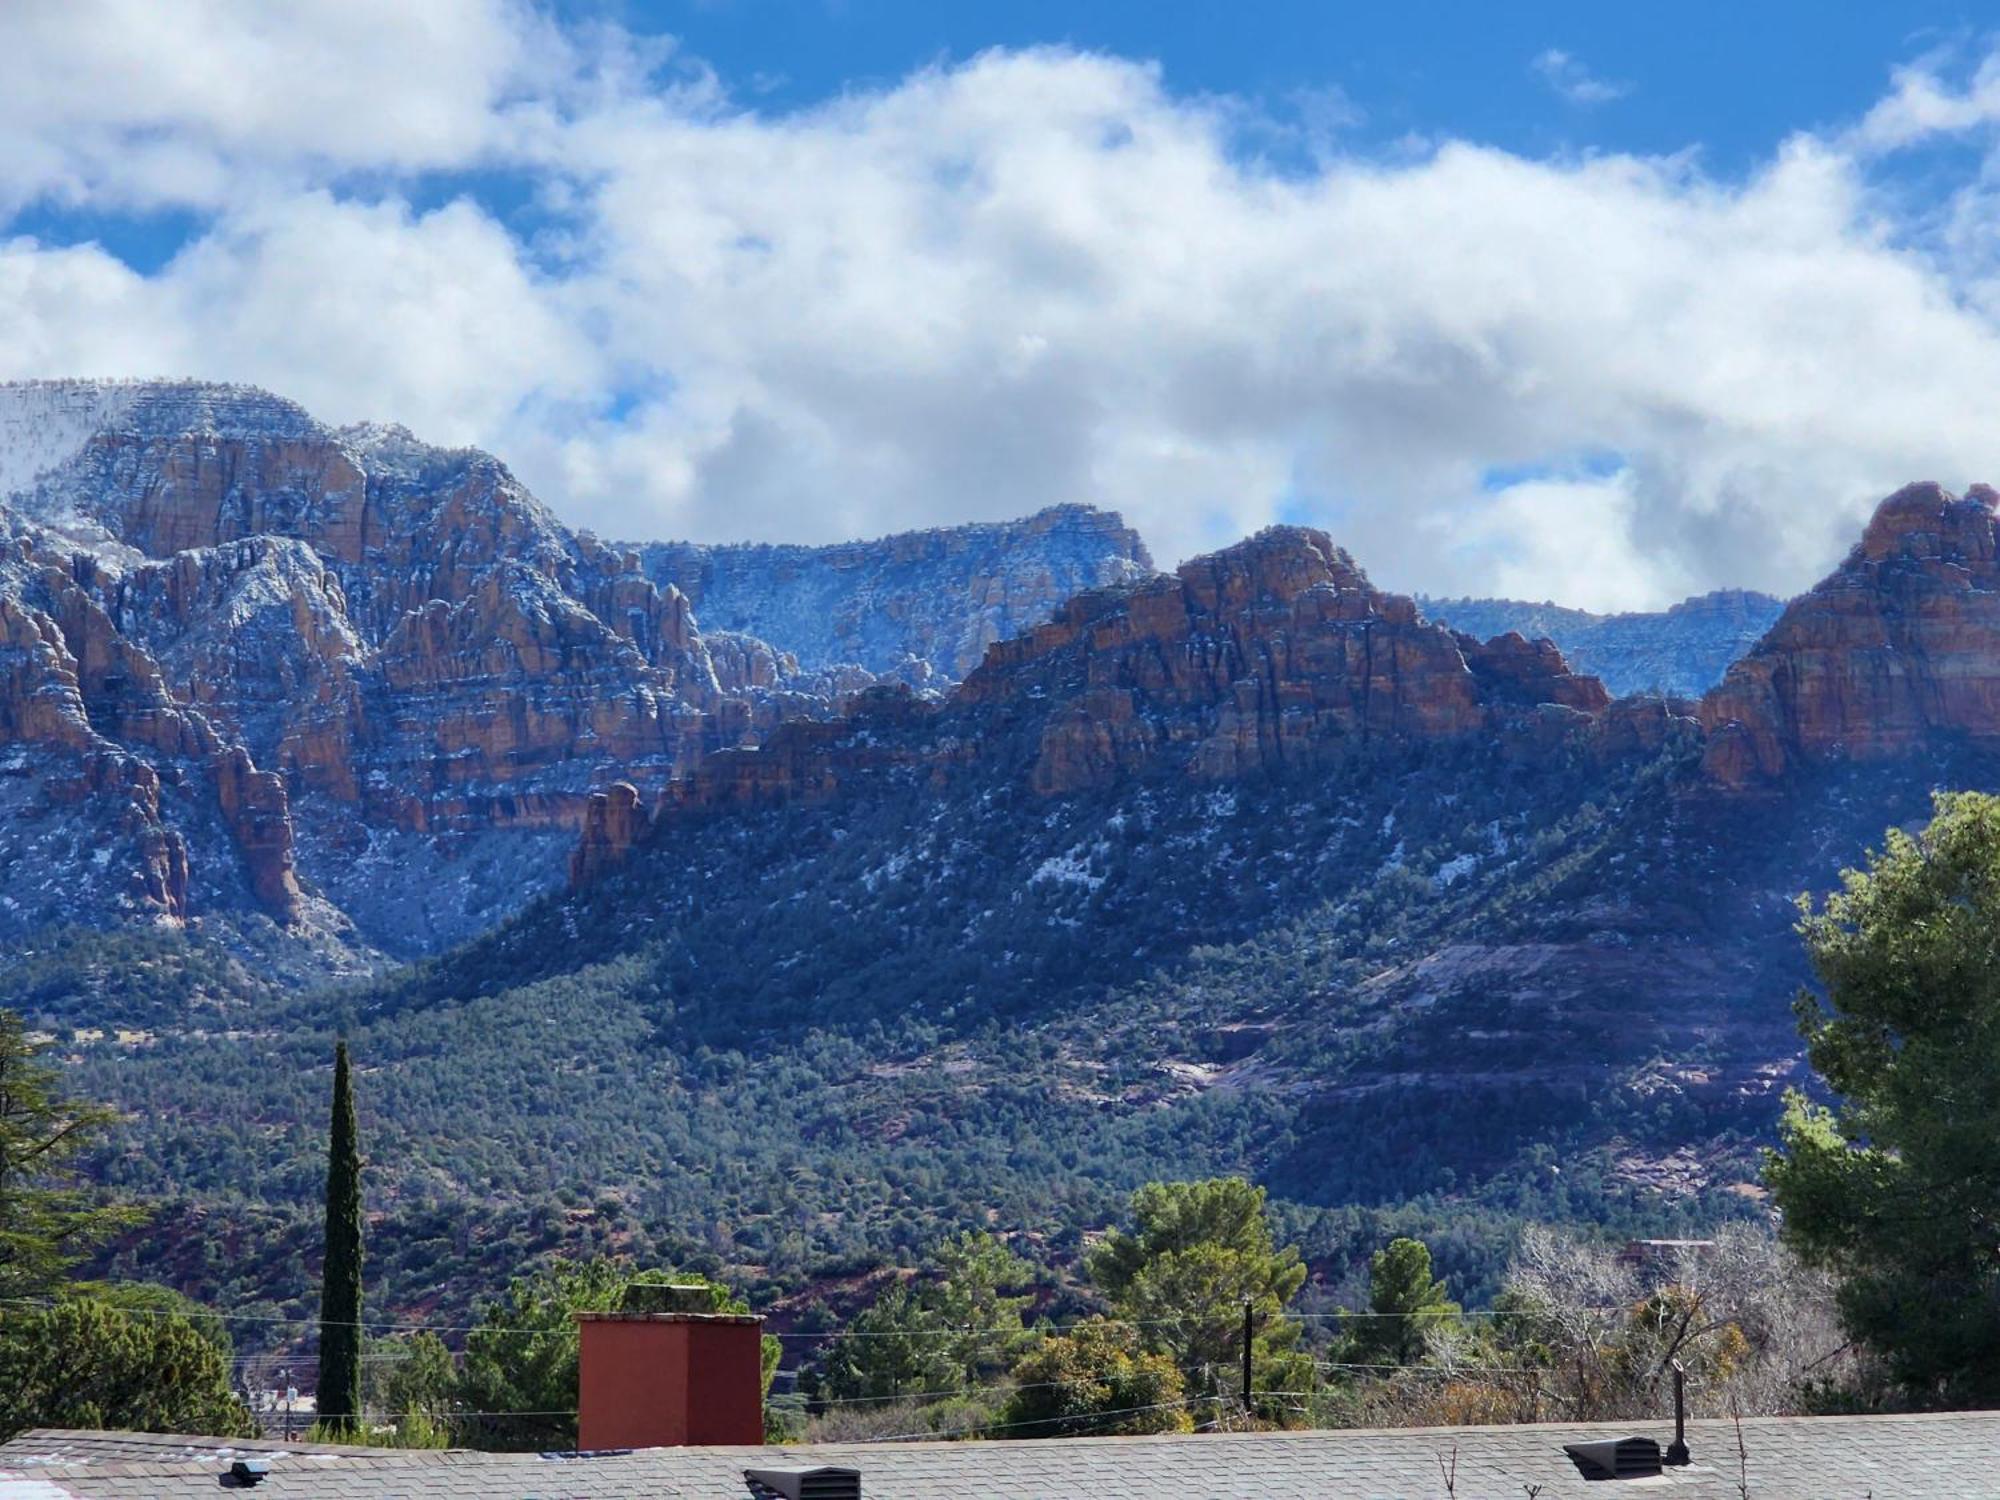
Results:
x,y
254,669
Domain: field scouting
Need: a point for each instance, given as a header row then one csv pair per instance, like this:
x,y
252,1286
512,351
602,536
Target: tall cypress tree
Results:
x,y
340,1284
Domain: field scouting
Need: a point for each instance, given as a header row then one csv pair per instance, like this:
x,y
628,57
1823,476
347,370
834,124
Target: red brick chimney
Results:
x,y
669,1380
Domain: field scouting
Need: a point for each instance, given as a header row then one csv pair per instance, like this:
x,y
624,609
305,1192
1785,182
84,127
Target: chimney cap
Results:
x,y
617,1316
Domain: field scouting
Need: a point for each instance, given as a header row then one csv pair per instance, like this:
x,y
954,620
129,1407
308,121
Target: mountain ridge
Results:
x,y
842,603
378,678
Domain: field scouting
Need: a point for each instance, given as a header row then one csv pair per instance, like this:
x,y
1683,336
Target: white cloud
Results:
x,y
128,102
1035,277
1562,539
361,310
1923,103
1568,76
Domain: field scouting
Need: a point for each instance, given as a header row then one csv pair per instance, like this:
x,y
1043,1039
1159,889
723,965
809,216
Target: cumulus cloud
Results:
x,y
125,102
1032,277
1570,78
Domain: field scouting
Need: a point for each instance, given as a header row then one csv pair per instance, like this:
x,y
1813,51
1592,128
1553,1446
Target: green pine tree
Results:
x,y
48,1218
1892,1185
1404,1303
340,1284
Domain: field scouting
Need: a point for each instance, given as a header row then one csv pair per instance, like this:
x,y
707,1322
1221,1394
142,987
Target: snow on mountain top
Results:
x,y
390,447
45,423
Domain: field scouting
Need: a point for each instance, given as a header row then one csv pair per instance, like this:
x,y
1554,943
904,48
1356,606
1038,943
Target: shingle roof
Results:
x,y
1952,1456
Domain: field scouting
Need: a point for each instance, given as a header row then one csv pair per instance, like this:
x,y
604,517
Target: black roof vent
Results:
x,y
1615,1458
805,1483
249,1471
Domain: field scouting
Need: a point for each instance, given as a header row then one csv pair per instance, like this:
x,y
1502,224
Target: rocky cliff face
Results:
x,y
1899,647
400,635
1274,655
110,777
1681,652
377,680
1275,652
922,607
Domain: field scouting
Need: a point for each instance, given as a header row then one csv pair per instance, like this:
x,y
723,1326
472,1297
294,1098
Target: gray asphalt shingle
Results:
x,y
1953,1456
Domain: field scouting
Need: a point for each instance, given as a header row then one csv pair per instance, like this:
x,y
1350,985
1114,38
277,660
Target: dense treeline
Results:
x,y
1365,1300
818,1041
76,1353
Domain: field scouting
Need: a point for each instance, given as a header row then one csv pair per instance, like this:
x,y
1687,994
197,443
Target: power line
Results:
x,y
389,1327
1332,1364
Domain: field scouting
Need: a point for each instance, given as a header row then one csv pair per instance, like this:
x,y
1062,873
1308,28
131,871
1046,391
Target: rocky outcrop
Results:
x,y
127,791
479,711
921,607
804,761
359,658
1680,652
1274,655
204,577
614,821
1898,645
258,816
95,710
1277,652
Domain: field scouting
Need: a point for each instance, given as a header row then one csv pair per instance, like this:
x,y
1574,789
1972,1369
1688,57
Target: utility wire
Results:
x,y
388,1327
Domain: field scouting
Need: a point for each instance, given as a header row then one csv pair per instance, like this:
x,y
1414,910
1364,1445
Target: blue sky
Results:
x,y
1731,79
1726,81
1603,303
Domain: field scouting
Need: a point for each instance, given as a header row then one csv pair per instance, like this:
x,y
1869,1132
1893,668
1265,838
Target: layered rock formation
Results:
x,y
400,632
1275,654
250,661
614,821
1897,647
355,675
922,607
1681,651
97,736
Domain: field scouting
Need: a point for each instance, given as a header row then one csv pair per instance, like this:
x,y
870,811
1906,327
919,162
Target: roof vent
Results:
x,y
805,1483
1615,1458
249,1471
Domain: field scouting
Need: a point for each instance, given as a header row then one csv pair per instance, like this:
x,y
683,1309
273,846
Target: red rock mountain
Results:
x,y
1276,653
342,675
1898,645
374,689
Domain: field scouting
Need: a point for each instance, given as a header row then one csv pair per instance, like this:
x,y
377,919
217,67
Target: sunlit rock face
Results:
x,y
1275,652
1271,656
357,683
1899,645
